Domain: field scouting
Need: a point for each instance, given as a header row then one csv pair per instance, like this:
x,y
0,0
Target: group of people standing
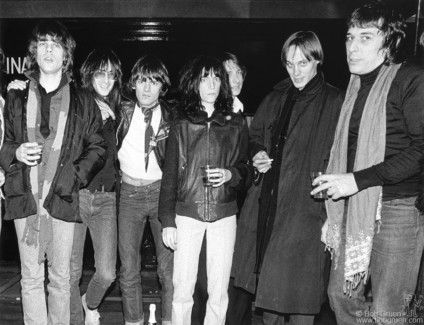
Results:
x,y
74,156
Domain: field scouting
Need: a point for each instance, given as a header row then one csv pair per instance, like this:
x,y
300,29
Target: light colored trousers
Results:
x,y
32,283
220,239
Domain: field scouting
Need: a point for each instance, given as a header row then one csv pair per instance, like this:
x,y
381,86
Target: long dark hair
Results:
x,y
190,77
98,59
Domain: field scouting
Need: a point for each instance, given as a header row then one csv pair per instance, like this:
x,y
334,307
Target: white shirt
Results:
x,y
131,154
237,105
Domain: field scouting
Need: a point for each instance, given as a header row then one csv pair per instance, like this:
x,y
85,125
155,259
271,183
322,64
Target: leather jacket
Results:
x,y
127,111
221,141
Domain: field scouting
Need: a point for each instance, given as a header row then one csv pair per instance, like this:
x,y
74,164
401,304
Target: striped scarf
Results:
x,y
38,227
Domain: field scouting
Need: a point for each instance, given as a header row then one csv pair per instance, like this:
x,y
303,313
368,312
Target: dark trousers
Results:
x,y
240,301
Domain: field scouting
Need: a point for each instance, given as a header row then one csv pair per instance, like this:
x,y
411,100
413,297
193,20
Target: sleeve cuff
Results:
x,y
366,178
168,222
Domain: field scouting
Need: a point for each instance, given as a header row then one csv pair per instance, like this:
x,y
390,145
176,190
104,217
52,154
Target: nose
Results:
x,y
147,86
234,79
352,46
296,70
212,83
49,47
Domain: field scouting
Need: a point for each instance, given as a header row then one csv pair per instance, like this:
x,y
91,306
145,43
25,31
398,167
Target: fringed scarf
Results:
x,y
363,208
38,227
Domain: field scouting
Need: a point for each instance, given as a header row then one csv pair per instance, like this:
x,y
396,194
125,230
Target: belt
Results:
x,y
102,189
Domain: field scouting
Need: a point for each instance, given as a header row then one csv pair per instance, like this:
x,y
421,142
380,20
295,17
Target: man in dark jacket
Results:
x,y
51,148
290,137
374,228
142,137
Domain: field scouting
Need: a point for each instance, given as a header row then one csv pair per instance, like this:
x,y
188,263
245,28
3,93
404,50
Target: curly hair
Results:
x,y
190,78
389,22
97,60
60,34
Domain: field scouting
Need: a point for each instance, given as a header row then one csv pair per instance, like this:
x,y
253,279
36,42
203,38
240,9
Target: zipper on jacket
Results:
x,y
208,161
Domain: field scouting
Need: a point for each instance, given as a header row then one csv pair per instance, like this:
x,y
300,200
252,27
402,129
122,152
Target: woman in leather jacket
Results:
x,y
196,200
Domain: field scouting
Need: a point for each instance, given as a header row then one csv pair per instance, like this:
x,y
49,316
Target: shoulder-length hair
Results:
x,y
227,56
58,33
150,66
389,22
307,42
190,78
97,60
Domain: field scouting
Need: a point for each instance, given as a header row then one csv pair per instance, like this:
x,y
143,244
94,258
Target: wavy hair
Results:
x,y
389,22
190,78
58,33
308,43
97,60
227,56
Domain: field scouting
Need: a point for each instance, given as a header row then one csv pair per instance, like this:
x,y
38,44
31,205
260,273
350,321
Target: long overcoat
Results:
x,y
292,277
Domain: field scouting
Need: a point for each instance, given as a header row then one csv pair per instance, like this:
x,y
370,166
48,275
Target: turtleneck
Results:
x,y
310,87
367,81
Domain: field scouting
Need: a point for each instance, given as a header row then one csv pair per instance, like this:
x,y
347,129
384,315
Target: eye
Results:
x,y
304,63
289,65
111,75
365,38
204,79
216,79
349,38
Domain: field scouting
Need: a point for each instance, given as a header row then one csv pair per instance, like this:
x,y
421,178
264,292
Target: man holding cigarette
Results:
x,y
374,173
290,137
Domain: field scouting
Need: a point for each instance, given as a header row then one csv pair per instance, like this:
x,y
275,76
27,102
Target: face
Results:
x,y
364,49
235,76
50,56
209,88
103,80
147,91
300,69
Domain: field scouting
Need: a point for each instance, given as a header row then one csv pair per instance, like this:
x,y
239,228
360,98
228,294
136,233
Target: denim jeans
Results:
x,y
32,283
293,319
395,260
98,214
136,205
220,240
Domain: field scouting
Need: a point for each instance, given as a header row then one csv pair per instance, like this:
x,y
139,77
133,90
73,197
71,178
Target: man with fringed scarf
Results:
x,y
374,231
52,148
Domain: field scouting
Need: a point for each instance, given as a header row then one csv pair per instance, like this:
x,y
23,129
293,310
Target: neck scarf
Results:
x,y
364,208
148,137
38,227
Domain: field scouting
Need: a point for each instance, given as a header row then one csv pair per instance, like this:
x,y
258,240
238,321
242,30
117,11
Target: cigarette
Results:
x,y
268,160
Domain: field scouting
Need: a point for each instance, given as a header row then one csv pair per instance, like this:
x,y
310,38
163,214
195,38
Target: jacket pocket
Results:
x,y
67,184
14,183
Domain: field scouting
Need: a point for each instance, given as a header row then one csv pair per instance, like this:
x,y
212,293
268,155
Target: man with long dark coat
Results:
x,y
278,241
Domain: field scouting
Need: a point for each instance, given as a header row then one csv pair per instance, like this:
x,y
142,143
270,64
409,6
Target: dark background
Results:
x,y
257,42
177,30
